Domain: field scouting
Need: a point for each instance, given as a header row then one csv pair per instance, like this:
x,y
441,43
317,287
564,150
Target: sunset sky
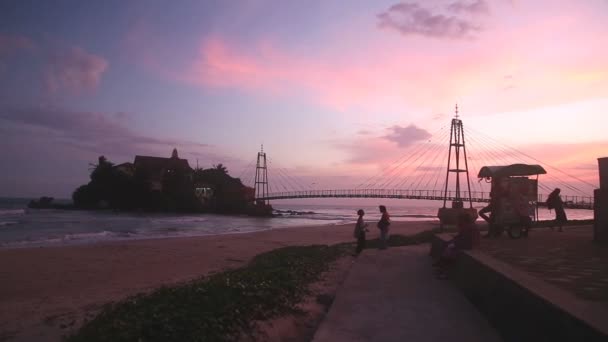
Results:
x,y
335,90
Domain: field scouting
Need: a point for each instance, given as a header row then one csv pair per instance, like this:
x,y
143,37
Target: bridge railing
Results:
x,y
570,201
583,202
477,196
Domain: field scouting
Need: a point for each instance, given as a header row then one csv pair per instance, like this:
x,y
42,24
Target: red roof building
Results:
x,y
154,169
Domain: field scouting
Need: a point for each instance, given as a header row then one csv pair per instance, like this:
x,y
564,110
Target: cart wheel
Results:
x,y
515,231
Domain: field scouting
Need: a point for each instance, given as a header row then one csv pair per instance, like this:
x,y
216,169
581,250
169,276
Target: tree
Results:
x,y
220,167
83,197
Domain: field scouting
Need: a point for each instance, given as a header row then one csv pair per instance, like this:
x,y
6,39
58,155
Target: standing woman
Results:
x,y
360,229
383,224
554,201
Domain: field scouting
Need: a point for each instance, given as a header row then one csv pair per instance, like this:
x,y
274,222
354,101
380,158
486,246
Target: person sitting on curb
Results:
x,y
466,239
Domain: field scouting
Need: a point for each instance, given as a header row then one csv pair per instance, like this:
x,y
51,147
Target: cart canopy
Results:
x,y
511,170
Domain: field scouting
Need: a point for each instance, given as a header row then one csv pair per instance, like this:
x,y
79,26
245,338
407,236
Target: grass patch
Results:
x,y
225,305
219,307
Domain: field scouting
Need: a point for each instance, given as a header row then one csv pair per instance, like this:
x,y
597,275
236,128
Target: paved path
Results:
x,y
392,295
569,259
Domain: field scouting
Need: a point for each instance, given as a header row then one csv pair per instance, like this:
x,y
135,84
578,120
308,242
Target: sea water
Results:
x,y
24,227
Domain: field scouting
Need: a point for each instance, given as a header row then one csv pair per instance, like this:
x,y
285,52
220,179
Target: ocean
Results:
x,y
24,227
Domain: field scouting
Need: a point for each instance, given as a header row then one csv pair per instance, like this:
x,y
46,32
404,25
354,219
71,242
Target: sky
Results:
x,y
336,91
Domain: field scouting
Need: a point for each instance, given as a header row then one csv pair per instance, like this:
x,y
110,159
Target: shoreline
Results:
x,y
158,237
62,242
46,291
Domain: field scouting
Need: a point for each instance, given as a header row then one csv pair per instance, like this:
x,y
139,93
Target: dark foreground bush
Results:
x,y
219,307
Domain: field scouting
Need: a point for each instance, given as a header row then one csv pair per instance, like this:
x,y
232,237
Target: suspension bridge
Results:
x,y
436,169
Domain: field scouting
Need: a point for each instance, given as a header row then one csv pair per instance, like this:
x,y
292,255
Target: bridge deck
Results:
x,y
572,202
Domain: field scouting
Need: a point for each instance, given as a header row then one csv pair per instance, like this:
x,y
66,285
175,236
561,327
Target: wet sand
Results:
x,y
47,291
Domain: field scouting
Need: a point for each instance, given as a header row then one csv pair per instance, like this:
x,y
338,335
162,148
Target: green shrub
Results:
x,y
219,307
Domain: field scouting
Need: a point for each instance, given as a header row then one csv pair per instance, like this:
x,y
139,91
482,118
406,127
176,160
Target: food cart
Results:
x,y
513,198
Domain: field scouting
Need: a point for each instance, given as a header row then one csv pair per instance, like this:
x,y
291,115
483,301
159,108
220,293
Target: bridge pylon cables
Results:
x,y
394,166
457,144
261,179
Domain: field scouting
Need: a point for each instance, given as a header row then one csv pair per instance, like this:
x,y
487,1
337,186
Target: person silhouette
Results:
x,y
383,224
554,201
359,233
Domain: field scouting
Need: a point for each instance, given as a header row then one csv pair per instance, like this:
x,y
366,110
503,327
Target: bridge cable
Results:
x,y
280,177
281,180
295,185
414,175
483,156
420,149
420,178
407,177
509,161
474,162
389,171
397,173
438,152
292,181
424,148
434,151
557,180
436,172
247,168
539,161
407,154
249,175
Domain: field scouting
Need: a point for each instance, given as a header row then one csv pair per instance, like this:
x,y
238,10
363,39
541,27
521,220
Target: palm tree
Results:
x,y
220,167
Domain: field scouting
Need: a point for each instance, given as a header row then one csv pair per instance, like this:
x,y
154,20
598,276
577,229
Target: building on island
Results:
x,y
127,169
160,183
156,170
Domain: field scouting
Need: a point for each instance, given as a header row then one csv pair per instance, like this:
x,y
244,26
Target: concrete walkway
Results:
x,y
393,295
569,260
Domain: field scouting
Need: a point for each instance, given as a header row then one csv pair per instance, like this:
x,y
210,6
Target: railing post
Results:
x,y
600,204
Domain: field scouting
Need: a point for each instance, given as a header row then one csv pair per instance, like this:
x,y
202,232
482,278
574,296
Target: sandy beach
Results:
x,y
47,291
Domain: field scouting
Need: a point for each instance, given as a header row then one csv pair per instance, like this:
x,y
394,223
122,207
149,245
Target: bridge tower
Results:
x,y
261,179
460,165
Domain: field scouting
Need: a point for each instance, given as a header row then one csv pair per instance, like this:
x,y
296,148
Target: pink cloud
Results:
x,y
370,70
381,148
339,82
568,165
73,69
12,43
382,79
413,19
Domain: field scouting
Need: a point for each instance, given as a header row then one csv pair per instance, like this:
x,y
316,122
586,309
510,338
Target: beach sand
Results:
x,y
48,291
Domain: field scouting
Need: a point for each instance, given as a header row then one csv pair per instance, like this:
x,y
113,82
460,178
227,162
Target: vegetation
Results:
x,y
111,187
217,308
225,305
230,195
